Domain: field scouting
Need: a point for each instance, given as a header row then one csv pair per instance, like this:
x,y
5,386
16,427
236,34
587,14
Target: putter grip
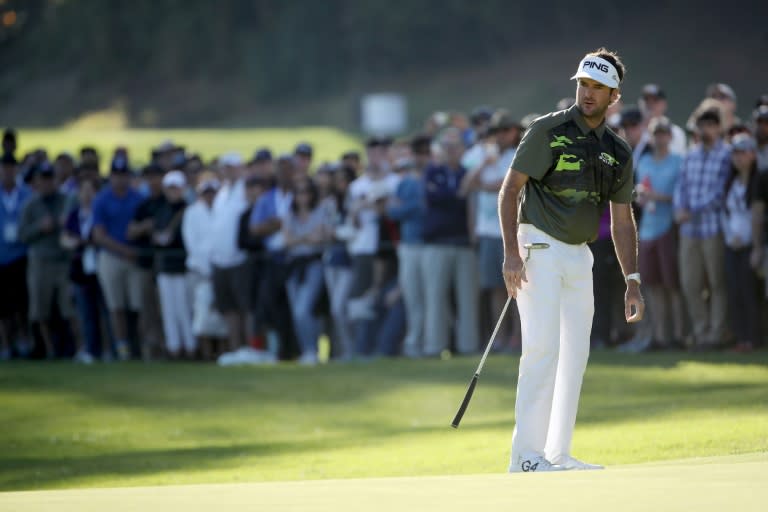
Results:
x,y
465,402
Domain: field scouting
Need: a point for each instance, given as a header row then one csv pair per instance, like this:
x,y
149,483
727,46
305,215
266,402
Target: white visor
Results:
x,y
599,70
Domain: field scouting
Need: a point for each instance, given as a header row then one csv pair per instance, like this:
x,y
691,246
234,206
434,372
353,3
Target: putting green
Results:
x,y
703,485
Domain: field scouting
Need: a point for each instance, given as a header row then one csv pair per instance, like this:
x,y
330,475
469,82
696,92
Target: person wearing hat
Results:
x,y
744,303
569,168
48,265
484,180
13,256
302,155
653,103
698,200
725,94
262,165
657,175
196,228
121,279
760,117
170,263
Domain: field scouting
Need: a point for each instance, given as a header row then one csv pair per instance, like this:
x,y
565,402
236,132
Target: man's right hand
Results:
x,y
514,274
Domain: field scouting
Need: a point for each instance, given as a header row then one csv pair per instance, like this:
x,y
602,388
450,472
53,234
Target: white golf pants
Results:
x,y
556,306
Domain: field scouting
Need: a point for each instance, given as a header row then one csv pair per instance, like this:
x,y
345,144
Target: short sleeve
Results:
x,y
625,193
533,156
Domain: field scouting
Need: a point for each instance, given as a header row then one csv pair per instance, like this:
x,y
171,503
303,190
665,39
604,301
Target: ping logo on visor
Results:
x,y
598,69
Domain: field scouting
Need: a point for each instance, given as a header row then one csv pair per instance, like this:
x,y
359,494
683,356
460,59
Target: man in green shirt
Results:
x,y
568,168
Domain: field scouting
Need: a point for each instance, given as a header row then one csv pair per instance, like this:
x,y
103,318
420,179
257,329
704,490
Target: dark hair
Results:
x,y
313,195
709,115
611,57
421,144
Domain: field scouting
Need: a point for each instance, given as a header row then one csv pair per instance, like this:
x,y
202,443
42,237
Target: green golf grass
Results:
x,y
328,143
137,424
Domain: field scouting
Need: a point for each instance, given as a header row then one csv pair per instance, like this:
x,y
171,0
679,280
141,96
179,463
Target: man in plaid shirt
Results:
x,y
697,201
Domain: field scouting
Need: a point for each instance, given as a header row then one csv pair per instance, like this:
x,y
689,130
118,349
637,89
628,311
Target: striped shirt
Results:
x,y
701,187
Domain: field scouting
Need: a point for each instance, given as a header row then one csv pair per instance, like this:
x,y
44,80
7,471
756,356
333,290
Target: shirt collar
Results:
x,y
576,115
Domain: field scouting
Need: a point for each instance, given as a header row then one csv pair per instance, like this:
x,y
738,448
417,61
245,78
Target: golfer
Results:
x,y
568,168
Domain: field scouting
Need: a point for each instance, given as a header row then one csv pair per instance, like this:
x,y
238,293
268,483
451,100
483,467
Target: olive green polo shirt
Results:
x,y
574,172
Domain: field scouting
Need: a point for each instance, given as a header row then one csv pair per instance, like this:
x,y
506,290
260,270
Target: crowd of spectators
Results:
x,y
394,252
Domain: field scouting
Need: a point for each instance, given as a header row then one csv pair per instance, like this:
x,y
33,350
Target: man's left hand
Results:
x,y
634,305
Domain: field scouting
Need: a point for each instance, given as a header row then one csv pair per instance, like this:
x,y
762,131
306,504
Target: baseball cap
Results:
x,y
304,149
175,179
653,90
480,115
660,124
743,142
232,159
262,155
716,90
631,116
502,120
599,70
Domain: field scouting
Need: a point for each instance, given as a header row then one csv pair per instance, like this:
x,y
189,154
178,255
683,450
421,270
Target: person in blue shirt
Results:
x,y
448,253
13,257
657,175
408,208
113,209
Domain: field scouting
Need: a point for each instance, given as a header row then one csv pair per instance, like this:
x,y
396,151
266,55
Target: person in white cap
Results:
x,y
569,168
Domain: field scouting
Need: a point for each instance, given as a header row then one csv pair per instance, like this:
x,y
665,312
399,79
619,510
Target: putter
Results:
x,y
476,376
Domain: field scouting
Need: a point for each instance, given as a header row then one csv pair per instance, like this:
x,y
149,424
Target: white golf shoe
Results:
x,y
572,463
533,465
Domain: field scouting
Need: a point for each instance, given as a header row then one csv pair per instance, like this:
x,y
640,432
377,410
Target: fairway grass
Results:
x,y
701,485
136,424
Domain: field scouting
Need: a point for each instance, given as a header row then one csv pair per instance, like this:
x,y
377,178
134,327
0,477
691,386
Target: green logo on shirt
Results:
x,y
608,159
563,164
560,141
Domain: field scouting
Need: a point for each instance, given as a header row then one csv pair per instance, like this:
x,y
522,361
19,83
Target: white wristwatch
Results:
x,y
633,277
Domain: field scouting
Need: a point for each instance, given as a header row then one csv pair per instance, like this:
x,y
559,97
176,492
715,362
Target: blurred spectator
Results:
x,y
338,269
196,228
302,156
657,175
760,117
698,199
231,283
272,309
653,103
13,258
367,199
566,103
48,266
93,315
487,168
121,280
89,156
140,232
421,150
742,282
408,208
305,231
255,187
64,167
9,142
634,131
163,155
479,120
170,263
448,253
727,97
262,166
352,159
